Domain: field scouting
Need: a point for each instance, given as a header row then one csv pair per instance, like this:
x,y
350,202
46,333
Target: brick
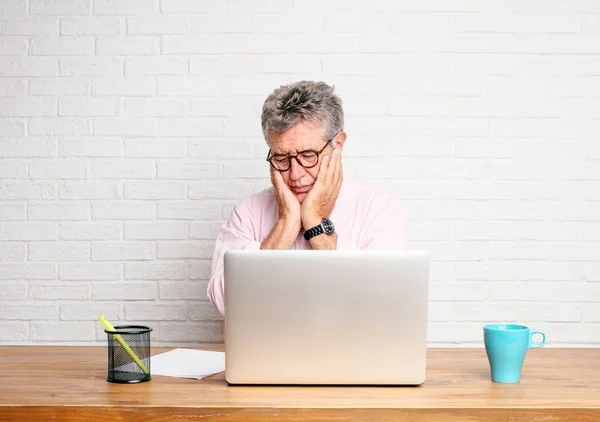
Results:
x,y
13,252
90,190
204,229
131,7
58,211
221,107
488,271
29,271
489,230
219,24
458,292
29,26
523,250
178,86
27,231
13,46
128,210
61,46
126,46
27,148
92,107
200,269
155,148
57,169
87,230
63,331
549,271
294,23
202,310
164,230
181,250
485,312
108,67
13,169
192,7
197,332
354,64
155,271
10,87
216,148
221,190
180,290
89,272
55,87
28,107
431,230
259,7
13,212
142,107
224,65
189,210
122,169
12,127
136,127
439,311
45,291
25,67
60,7
188,170
109,147
197,126
59,251
245,169
90,26
61,126
13,8
340,44
27,190
130,290
122,251
555,312
155,311
154,190
47,311
83,311
14,331
150,25
129,87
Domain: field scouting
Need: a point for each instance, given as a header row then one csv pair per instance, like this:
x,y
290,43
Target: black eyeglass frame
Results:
x,y
289,157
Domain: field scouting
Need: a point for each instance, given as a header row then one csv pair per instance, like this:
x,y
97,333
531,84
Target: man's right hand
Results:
x,y
289,207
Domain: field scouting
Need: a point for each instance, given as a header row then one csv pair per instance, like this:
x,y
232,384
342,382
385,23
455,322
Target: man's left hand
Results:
x,y
321,199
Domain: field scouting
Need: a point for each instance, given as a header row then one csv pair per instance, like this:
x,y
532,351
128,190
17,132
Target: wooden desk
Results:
x,y
69,383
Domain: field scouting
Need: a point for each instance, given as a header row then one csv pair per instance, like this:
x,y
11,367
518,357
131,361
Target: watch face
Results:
x,y
328,226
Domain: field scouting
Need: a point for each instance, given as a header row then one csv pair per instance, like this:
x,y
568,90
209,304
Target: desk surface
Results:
x,y
69,383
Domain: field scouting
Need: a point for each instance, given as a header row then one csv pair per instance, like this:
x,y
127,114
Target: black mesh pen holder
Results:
x,y
129,354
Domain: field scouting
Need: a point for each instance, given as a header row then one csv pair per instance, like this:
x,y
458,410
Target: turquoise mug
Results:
x,y
506,346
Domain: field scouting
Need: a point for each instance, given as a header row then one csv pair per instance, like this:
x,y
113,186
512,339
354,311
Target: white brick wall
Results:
x,y
128,129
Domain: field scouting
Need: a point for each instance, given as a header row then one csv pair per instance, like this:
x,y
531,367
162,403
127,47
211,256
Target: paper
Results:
x,y
187,363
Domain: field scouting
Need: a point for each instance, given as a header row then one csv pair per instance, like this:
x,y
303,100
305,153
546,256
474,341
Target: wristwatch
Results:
x,y
326,227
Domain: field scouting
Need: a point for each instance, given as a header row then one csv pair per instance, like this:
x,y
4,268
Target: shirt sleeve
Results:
x,y
236,234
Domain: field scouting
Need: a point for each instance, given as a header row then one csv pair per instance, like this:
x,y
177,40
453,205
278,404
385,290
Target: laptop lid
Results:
x,y
326,317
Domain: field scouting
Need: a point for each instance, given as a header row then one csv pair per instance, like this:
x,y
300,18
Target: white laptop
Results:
x,y
326,317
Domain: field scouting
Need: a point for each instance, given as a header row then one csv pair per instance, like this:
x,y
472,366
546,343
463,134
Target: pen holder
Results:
x,y
129,354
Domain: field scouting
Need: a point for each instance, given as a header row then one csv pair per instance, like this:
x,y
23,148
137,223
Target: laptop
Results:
x,y
326,317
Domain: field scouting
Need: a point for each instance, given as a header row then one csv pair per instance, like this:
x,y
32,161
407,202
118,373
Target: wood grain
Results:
x,y
69,383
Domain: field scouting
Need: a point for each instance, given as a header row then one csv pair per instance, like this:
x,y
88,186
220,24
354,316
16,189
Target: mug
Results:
x,y
506,346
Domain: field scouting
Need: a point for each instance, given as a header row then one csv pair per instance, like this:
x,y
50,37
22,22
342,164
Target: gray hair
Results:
x,y
307,101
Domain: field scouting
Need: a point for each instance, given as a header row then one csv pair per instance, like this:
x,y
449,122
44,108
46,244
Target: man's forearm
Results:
x,y
324,242
282,236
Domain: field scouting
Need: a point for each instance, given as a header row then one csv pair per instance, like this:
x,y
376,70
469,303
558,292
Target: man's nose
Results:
x,y
296,170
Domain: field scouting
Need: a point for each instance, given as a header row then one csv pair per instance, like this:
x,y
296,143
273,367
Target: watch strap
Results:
x,y
314,231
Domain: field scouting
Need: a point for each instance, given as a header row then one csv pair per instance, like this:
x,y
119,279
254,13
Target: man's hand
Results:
x,y
289,207
321,199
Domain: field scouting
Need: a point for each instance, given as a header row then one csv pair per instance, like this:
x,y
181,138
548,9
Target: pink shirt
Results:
x,y
364,218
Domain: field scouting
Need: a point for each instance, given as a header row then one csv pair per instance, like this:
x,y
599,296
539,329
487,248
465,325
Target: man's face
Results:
x,y
300,137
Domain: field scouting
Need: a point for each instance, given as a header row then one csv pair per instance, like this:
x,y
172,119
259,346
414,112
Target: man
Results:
x,y
309,205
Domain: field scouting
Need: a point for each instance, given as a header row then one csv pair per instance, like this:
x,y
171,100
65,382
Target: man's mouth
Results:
x,y
301,189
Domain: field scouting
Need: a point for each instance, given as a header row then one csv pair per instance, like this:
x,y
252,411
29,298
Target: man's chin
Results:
x,y
301,197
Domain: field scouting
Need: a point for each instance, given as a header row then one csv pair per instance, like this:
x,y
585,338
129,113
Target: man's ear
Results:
x,y
340,139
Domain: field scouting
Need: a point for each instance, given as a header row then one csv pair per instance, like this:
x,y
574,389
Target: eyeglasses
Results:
x,y
307,158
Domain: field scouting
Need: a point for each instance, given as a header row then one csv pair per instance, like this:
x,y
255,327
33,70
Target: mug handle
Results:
x,y
533,345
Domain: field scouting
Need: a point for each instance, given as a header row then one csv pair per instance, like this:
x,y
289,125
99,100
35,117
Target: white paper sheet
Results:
x,y
187,363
